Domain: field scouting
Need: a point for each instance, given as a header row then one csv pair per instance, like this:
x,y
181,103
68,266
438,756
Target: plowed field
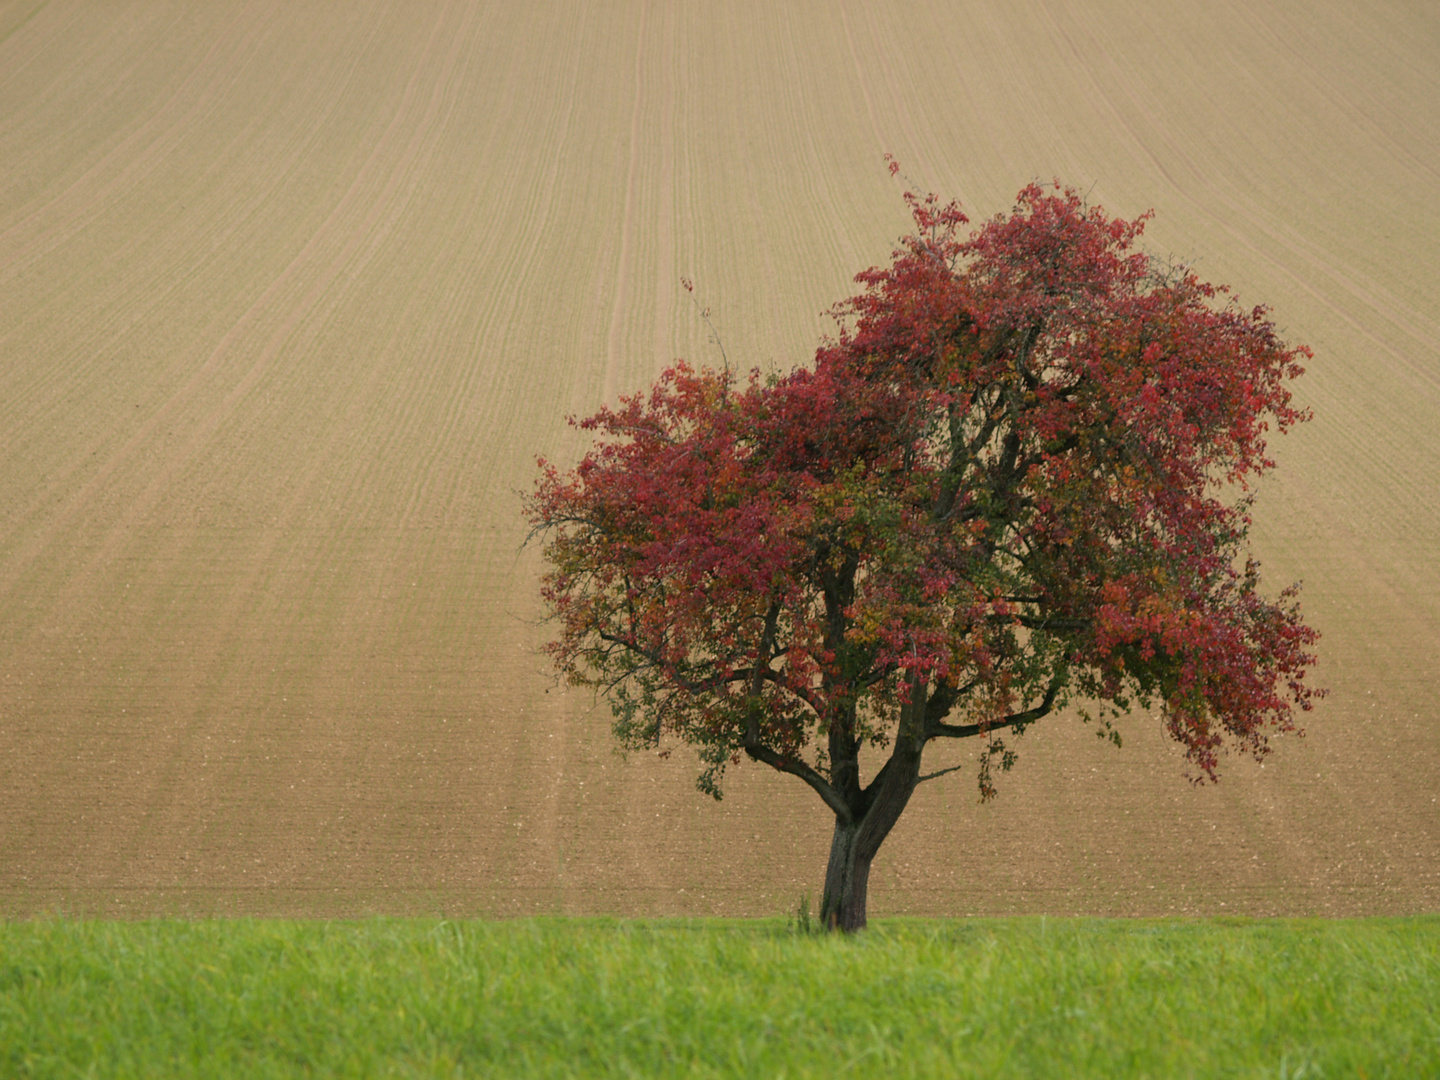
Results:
x,y
292,293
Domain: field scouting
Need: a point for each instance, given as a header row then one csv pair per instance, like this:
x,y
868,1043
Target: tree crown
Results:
x,y
1017,477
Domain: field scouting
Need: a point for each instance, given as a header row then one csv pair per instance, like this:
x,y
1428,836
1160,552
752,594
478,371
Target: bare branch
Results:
x,y
967,731
1052,622
764,754
942,772
937,730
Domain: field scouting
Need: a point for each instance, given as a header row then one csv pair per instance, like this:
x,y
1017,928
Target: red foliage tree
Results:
x,y
1017,480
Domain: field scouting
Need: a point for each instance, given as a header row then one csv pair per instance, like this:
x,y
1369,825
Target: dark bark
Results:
x,y
842,906
857,840
859,834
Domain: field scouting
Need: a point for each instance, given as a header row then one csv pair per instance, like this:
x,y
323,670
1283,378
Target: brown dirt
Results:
x,y
291,294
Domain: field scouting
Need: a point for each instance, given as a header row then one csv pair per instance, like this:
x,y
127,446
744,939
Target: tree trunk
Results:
x,y
842,906
858,838
855,844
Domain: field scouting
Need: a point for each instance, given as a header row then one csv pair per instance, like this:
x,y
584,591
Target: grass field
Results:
x,y
292,293
986,998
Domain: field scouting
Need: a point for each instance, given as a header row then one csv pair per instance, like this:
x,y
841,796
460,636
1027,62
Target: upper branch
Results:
x,y
935,729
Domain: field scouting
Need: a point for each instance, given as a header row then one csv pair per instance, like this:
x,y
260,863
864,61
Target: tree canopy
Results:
x,y
1017,479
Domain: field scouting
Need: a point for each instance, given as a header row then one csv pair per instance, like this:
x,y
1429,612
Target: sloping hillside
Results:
x,y
291,294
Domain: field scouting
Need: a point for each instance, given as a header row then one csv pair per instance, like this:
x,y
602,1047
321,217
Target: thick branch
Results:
x,y
764,754
910,740
966,731
757,750
937,730
757,678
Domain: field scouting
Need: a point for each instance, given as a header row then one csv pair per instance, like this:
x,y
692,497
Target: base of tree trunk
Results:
x,y
842,907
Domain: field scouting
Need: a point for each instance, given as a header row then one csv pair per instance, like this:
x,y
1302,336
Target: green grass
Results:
x,y
984,998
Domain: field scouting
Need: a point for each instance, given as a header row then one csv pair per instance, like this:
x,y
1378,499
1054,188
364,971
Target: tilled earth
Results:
x,y
291,296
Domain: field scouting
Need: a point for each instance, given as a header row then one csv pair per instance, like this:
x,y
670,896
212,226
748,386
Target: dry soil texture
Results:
x,y
292,293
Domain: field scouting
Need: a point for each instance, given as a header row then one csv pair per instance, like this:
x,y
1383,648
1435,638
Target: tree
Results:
x,y
1018,479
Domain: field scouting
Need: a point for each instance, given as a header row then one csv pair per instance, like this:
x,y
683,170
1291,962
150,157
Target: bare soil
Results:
x,y
291,294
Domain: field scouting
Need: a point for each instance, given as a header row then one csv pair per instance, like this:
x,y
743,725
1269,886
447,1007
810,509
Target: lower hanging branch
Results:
x,y
761,753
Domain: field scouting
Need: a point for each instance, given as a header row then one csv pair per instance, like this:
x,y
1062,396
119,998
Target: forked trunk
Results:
x,y
855,844
842,906
858,836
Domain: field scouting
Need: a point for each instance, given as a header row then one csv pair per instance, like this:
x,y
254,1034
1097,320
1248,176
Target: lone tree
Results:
x,y
1015,480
